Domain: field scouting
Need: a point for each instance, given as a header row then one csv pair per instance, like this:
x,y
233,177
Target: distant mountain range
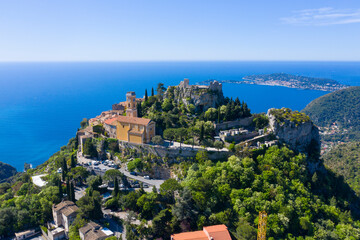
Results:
x,y
338,113
288,80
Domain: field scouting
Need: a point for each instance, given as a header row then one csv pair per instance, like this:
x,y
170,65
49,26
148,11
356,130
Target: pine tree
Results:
x,y
146,95
237,101
116,187
152,91
73,162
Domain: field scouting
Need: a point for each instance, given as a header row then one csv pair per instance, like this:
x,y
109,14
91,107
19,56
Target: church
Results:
x,y
130,128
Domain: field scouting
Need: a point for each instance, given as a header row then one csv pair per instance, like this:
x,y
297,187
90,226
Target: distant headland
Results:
x,y
290,81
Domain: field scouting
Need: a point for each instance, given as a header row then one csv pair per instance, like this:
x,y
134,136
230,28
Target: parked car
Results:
x,y
133,173
147,177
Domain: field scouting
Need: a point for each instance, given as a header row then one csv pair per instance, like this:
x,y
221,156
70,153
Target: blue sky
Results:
x,y
162,30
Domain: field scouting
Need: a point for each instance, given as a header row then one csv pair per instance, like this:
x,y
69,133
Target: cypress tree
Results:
x,y
152,91
139,110
64,166
116,187
73,163
201,138
97,212
60,190
72,192
146,95
218,120
68,188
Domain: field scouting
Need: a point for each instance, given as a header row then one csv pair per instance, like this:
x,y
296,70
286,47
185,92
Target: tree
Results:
x,y
68,188
73,162
139,110
184,209
157,140
169,134
89,148
218,145
202,133
160,90
146,95
64,169
60,190
160,224
152,91
211,114
116,187
112,174
84,123
79,174
72,192
180,134
168,189
201,156
135,164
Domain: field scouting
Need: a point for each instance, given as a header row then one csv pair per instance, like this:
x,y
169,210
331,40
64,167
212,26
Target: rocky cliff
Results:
x,y
294,129
202,96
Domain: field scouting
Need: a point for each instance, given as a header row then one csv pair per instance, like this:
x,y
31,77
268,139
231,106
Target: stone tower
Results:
x,y
131,110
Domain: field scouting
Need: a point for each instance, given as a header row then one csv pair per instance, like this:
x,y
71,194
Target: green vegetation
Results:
x,y
300,205
344,160
177,121
286,114
341,107
6,171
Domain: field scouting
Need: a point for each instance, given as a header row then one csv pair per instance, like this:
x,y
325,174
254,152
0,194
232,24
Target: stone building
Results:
x,y
202,96
130,128
64,214
93,231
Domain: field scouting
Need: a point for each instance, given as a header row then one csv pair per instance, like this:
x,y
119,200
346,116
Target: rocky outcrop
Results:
x,y
202,96
301,135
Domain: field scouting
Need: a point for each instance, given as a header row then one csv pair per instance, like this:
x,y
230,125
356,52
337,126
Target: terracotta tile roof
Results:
x,y
110,121
132,120
66,207
216,232
92,231
198,235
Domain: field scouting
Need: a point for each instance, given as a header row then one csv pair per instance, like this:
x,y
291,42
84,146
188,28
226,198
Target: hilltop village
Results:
x,y
182,162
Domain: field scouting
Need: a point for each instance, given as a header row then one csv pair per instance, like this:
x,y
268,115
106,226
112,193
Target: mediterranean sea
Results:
x,y
42,104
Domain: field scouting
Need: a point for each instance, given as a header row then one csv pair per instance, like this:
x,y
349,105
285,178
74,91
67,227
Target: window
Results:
x,y
133,99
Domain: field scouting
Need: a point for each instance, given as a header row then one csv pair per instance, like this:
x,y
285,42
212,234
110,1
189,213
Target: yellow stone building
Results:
x,y
131,128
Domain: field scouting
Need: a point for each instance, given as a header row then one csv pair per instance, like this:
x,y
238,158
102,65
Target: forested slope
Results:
x,y
344,159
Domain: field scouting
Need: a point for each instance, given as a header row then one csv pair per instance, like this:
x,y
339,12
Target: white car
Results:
x,y
147,177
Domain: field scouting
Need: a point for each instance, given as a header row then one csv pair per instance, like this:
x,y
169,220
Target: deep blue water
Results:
x,y
42,104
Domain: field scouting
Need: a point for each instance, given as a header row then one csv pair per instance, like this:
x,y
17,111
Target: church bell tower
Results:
x,y
131,110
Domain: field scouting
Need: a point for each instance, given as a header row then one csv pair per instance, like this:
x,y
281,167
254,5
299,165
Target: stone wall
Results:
x,y
243,122
203,97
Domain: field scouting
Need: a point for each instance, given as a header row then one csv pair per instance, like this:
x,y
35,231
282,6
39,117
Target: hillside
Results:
x,y
344,159
341,107
6,171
